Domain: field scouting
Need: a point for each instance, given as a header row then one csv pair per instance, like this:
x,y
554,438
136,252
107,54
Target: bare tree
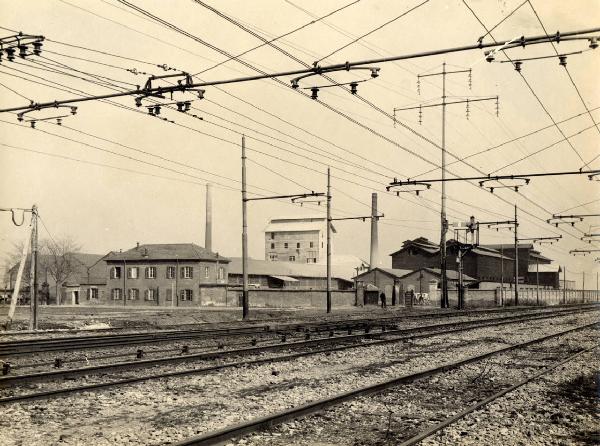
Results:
x,y
56,259
59,261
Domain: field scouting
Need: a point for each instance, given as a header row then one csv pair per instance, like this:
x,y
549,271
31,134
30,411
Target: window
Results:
x,y
272,245
133,294
187,272
311,244
93,293
285,245
151,294
311,260
272,236
115,272
292,258
117,294
221,273
186,294
321,244
169,295
151,272
170,272
206,272
297,245
272,256
132,273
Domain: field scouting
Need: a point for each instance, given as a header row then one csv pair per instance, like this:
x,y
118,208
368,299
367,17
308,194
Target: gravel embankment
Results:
x,y
170,409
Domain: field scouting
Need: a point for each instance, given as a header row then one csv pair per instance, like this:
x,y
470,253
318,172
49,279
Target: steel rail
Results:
x,y
533,40
14,380
22,347
448,421
428,314
228,433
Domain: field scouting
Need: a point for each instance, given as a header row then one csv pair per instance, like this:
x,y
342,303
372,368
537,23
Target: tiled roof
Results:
x,y
290,269
391,271
167,251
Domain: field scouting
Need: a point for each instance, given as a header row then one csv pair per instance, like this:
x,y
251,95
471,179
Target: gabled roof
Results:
x,y
396,273
167,251
543,268
290,269
420,243
450,274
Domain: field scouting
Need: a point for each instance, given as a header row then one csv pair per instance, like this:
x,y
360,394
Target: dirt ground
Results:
x,y
77,317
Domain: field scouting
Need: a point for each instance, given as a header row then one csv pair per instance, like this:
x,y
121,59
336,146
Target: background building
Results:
x,y
179,274
297,239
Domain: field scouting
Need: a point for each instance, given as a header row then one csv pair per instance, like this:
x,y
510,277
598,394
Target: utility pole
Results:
x,y
244,235
502,273
33,283
537,283
516,259
328,240
583,290
443,216
564,285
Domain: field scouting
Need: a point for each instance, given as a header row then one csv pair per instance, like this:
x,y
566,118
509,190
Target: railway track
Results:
x,y
203,345
306,348
239,430
88,342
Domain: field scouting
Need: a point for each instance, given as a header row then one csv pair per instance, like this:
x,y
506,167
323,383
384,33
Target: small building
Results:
x,y
546,275
297,239
264,274
384,279
427,280
175,274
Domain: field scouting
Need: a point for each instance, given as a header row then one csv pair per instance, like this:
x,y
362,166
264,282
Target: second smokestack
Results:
x,y
374,259
208,231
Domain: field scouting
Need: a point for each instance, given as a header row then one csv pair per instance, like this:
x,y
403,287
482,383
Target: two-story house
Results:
x,y
178,274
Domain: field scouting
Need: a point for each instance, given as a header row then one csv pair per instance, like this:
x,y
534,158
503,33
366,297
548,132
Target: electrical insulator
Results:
x,y
37,48
201,94
59,121
314,93
138,102
10,54
22,51
467,110
419,86
593,43
353,87
563,61
0,56
374,72
187,105
73,110
32,123
180,106
518,64
497,107
489,56
157,110
20,117
151,110
420,115
294,84
470,79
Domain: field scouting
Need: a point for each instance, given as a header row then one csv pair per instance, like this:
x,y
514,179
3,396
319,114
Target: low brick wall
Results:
x,y
291,298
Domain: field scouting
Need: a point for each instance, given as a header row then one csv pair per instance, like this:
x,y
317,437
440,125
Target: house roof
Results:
x,y
288,269
397,273
544,268
298,224
167,251
450,274
534,254
429,247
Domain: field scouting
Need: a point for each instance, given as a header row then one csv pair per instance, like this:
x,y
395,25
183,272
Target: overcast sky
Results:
x,y
154,192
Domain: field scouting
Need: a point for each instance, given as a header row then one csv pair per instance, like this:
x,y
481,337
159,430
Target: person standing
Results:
x,y
382,297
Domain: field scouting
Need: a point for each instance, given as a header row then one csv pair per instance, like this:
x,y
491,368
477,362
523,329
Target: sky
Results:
x,y
111,176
